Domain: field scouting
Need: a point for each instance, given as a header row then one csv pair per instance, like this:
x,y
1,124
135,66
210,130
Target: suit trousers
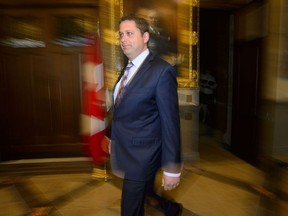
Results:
x,y
133,195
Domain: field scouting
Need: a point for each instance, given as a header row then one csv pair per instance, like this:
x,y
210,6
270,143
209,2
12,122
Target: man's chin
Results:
x,y
126,51
128,54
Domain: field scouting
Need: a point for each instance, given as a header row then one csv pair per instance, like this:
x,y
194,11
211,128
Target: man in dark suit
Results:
x,y
145,133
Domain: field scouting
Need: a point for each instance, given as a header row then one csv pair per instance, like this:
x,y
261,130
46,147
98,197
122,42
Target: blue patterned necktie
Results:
x,y
123,84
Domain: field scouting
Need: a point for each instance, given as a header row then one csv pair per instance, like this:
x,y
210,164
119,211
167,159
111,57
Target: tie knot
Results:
x,y
128,66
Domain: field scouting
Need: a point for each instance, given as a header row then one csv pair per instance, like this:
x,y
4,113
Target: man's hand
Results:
x,y
169,182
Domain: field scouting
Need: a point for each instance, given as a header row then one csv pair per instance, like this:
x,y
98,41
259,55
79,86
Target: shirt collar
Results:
x,y
140,58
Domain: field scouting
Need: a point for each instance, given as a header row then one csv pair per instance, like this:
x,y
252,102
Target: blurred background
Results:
x,y
236,84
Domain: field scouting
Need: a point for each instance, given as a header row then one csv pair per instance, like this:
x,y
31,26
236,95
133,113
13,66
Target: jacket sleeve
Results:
x,y
167,102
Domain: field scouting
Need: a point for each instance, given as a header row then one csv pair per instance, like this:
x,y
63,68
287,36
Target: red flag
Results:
x,y
94,112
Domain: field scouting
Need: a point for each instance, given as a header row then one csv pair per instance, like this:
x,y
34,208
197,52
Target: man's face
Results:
x,y
132,41
152,18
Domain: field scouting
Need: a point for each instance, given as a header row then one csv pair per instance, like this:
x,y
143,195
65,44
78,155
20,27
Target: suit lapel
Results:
x,y
143,69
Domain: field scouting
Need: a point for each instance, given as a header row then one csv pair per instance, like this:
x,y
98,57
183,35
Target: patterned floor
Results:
x,y
217,184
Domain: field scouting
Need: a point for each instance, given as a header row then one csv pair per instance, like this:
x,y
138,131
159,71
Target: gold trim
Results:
x,y
188,42
110,13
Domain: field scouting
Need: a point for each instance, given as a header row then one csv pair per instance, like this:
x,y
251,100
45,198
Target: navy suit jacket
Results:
x,y
145,132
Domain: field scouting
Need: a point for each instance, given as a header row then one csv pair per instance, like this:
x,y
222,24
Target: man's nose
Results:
x,y
123,37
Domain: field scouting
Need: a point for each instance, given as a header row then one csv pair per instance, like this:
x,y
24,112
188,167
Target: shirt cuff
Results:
x,y
172,174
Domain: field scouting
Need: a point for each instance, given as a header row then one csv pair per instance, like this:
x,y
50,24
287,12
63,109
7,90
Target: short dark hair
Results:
x,y
141,23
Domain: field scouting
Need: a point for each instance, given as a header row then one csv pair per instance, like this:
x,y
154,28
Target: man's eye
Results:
x,y
129,33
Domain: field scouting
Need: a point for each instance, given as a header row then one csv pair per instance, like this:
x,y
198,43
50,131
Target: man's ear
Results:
x,y
146,37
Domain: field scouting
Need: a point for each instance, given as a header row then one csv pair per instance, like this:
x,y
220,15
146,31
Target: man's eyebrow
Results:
x,y
127,31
